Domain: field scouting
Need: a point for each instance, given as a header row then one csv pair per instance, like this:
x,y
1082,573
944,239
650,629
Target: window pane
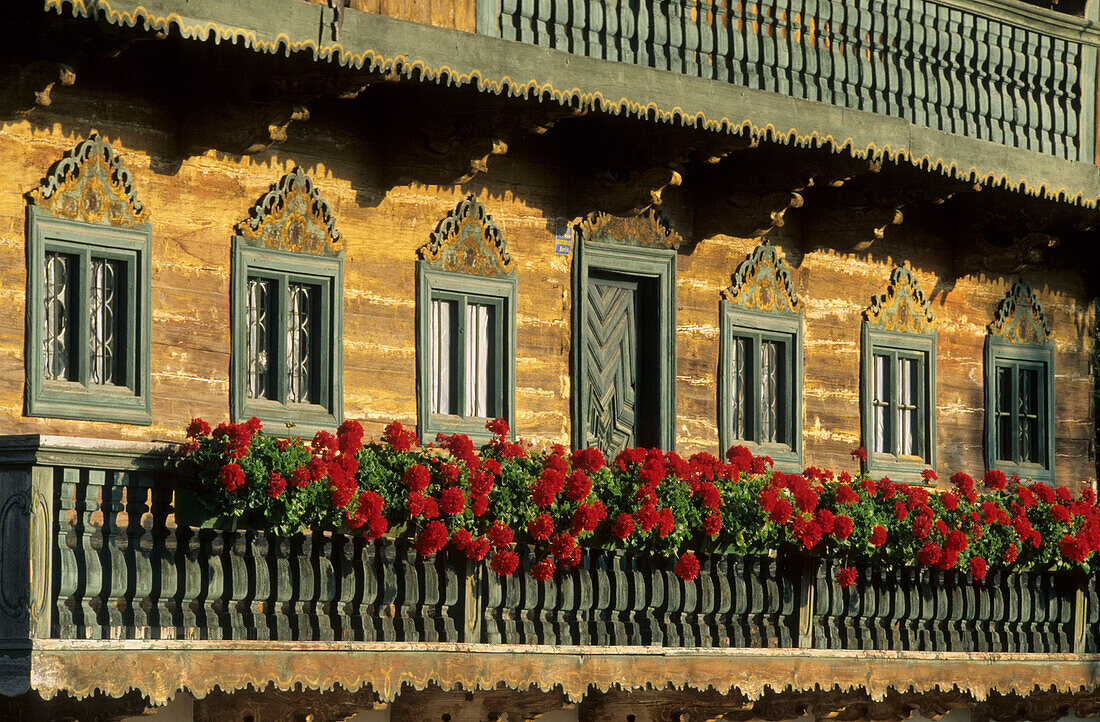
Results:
x,y
480,363
880,404
258,339
105,319
56,334
771,392
908,407
440,334
1029,416
300,332
1003,414
737,386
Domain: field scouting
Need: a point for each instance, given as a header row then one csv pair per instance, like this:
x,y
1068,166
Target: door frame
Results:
x,y
643,263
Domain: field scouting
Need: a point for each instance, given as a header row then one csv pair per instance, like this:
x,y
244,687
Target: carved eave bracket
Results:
x,y
903,307
452,145
468,241
763,283
91,185
651,229
1020,318
855,214
1007,254
293,216
239,128
631,192
26,87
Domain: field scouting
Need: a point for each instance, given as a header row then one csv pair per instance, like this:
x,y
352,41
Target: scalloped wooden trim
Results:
x,y
293,216
903,307
1020,318
399,65
650,229
90,184
468,241
160,669
763,282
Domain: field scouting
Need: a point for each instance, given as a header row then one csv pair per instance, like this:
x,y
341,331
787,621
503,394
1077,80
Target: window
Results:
x,y
899,381
760,364
624,333
1019,388
466,369
88,311
466,297
288,314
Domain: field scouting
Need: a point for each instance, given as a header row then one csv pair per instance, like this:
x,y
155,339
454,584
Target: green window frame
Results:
x,y
908,414
103,376
311,396
1005,364
461,289
743,389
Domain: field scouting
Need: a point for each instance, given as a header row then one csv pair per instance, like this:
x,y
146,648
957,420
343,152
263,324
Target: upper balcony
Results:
x,y
1007,72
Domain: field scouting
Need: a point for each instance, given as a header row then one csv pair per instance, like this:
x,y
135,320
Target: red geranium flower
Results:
x,y
712,524
479,505
276,485
1059,513
541,527
878,536
497,427
845,495
842,526
588,460
231,476
500,534
978,567
577,486
543,569
949,501
504,562
431,539
666,522
396,436
197,428
562,545
860,454
928,475
452,500
929,554
623,526
687,566
1010,553
646,516
416,477
995,479
846,576
782,511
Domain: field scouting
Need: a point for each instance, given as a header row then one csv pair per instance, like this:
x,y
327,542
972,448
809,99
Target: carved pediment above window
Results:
x,y
293,216
763,283
903,307
651,229
1020,318
468,241
91,185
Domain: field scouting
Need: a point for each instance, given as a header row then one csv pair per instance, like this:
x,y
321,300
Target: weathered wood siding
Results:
x,y
453,14
195,203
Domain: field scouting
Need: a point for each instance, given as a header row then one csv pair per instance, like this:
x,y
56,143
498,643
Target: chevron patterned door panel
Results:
x,y
611,368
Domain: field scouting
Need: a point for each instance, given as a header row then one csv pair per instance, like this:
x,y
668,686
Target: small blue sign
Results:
x,y
563,249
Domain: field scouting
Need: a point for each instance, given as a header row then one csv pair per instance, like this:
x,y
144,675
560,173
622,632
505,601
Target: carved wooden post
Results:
x,y
806,570
1080,615
471,602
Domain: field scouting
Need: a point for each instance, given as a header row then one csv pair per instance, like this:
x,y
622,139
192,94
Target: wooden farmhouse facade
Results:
x,y
804,226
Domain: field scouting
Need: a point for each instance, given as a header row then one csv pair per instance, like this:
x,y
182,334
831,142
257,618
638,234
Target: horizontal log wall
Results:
x,y
195,203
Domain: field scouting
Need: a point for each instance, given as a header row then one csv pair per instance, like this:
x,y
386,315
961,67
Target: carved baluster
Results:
x,y
615,578
212,557
320,565
388,596
257,563
90,625
70,546
452,568
302,583
113,555
739,615
162,559
492,621
237,610
139,557
720,601
585,599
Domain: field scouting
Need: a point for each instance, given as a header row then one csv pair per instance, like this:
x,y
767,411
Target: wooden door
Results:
x,y
611,364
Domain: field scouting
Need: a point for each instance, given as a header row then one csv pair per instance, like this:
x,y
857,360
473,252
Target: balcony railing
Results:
x,y
91,550
947,65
